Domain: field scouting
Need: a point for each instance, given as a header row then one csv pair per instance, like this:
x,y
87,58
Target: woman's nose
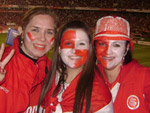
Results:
x,y
42,36
109,50
73,50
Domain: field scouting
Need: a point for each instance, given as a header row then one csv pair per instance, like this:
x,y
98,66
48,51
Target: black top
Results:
x,y
22,52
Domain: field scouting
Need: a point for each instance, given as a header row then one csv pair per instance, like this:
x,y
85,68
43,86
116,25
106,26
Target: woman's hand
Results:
x,y
5,61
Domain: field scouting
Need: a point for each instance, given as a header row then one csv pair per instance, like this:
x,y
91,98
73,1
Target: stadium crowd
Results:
x,y
123,4
139,21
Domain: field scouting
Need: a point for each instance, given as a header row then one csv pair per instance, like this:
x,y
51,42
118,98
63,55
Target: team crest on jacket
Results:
x,y
133,102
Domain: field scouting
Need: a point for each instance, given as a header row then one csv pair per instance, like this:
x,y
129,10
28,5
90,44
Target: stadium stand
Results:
x,y
137,12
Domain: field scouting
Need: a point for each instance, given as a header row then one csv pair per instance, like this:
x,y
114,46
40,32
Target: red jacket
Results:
x,y
22,84
101,99
131,90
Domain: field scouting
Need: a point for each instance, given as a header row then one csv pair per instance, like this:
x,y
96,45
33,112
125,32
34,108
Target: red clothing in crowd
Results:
x,y
101,100
21,86
131,90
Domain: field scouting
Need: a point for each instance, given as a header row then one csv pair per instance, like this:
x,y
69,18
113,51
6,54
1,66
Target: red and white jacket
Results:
x,y
131,90
21,87
101,100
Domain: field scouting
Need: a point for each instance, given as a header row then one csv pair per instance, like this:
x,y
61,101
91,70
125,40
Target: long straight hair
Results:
x,y
85,83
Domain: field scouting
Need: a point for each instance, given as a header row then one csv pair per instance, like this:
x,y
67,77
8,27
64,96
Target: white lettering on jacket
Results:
x,y
33,109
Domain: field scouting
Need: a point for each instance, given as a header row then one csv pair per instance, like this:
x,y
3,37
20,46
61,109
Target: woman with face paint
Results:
x,y
128,81
23,76
73,84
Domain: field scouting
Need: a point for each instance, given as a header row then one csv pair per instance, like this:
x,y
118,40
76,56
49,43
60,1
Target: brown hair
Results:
x,y
37,11
128,56
85,83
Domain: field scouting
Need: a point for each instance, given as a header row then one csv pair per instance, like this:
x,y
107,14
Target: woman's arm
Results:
x,y
4,62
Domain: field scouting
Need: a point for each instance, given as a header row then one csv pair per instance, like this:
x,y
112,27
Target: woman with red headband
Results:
x,y
128,81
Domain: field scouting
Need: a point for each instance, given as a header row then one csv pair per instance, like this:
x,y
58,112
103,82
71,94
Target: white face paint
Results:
x,y
74,48
110,52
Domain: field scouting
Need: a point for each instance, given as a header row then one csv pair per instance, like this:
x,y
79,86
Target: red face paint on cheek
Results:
x,y
83,54
29,36
101,51
68,39
51,41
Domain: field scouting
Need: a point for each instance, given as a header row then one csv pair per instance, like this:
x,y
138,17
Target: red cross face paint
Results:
x,y
51,41
74,48
110,52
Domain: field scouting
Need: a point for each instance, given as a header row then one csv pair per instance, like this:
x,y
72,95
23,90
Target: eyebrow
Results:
x,y
34,26
39,27
118,42
51,30
67,39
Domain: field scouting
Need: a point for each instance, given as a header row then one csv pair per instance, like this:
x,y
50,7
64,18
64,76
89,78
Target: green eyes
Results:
x,y
35,30
68,43
48,32
102,44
